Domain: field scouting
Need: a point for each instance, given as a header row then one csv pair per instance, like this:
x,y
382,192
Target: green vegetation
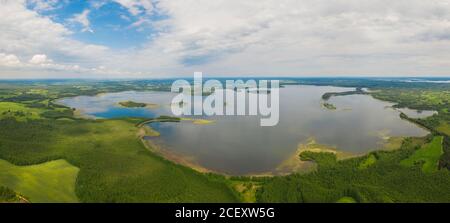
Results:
x,y
369,161
346,200
384,181
427,156
18,111
49,155
57,178
132,104
444,127
329,106
437,99
413,95
323,159
114,165
199,121
9,196
246,189
328,95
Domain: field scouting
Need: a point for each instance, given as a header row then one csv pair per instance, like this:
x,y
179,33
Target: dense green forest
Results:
x,y
114,165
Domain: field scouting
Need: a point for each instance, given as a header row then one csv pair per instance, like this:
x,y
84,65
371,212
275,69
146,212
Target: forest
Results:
x,y
111,164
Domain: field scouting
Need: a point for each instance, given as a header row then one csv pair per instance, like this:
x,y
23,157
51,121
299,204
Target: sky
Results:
x,y
174,38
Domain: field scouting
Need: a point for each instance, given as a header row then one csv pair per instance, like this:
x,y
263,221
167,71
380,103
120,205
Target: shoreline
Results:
x,y
292,164
175,157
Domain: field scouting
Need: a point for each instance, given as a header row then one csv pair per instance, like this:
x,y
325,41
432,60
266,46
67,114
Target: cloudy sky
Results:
x,y
161,38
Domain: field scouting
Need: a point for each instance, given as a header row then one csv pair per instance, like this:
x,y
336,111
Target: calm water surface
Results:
x,y
238,145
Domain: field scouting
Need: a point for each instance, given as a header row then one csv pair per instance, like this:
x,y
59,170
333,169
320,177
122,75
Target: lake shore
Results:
x,y
290,165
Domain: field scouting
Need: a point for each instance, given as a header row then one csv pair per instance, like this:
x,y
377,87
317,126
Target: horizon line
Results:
x,y
209,77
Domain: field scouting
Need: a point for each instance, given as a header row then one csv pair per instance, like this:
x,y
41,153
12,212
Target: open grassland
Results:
x,y
346,200
427,156
18,111
52,181
114,165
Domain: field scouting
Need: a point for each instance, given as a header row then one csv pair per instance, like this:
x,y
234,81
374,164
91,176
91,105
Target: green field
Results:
x,y
18,111
427,156
346,200
114,165
52,181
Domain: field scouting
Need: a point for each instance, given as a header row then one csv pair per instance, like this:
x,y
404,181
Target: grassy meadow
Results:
x,y
427,156
57,178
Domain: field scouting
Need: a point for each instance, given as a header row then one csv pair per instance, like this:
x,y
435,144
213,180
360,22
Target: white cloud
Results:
x,y
24,33
40,66
9,60
43,5
40,59
291,37
136,7
254,37
83,20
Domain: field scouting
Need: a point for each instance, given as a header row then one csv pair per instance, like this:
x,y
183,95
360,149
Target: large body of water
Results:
x,y
238,145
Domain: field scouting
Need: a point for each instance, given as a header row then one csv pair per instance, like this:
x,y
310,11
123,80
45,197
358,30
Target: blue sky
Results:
x,y
110,22
161,38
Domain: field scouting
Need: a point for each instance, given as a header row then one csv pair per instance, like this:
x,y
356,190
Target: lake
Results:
x,y
237,145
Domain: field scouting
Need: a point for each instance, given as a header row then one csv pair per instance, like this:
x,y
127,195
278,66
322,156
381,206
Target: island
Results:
x,y
132,104
328,95
329,106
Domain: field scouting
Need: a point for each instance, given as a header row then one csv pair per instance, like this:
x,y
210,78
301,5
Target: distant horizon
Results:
x,y
231,77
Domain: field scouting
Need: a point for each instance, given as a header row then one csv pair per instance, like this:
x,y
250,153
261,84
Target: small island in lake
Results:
x,y
329,106
199,121
328,95
132,104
